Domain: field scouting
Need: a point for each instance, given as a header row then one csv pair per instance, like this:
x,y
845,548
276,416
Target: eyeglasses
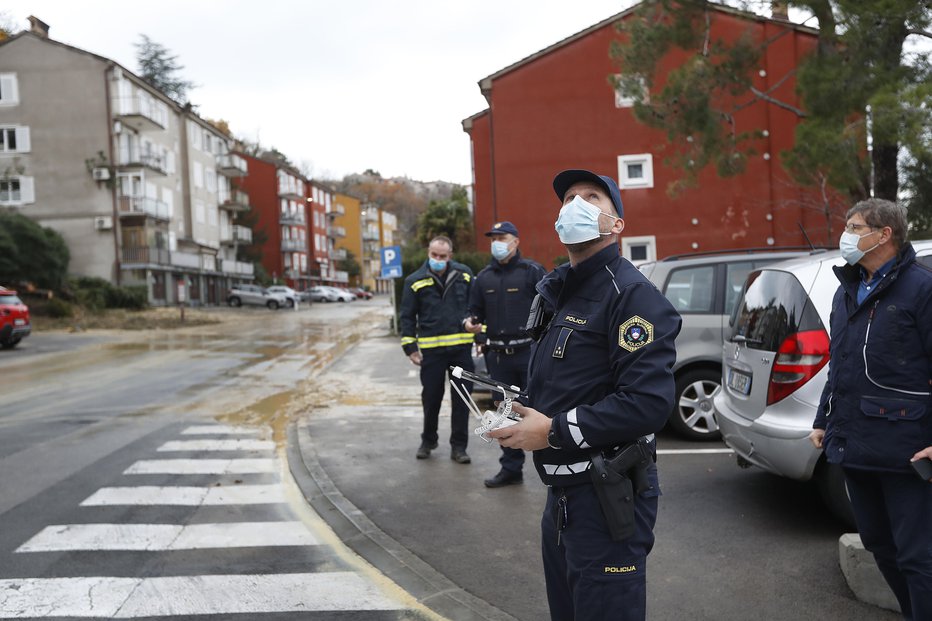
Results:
x,y
855,228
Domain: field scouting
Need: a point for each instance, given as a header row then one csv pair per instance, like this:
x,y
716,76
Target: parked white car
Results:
x,y
775,364
254,295
342,294
291,296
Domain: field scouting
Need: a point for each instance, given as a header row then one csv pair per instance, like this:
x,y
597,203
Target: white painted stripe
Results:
x,y
218,445
158,537
232,430
188,496
203,466
126,598
694,451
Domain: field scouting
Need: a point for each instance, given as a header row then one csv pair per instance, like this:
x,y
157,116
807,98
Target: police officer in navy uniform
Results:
x,y
435,299
498,309
875,415
600,384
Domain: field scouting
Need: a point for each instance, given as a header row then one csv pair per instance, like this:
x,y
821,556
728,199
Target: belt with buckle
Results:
x,y
509,347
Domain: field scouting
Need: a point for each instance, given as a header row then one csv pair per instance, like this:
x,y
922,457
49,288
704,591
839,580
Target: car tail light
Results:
x,y
799,358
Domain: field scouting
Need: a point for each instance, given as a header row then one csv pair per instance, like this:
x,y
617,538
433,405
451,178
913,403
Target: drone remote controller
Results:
x,y
503,416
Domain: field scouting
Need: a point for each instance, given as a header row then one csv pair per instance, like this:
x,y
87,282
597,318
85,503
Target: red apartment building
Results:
x,y
278,194
556,109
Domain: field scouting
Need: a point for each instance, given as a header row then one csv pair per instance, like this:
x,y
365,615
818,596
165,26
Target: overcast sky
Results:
x,y
339,86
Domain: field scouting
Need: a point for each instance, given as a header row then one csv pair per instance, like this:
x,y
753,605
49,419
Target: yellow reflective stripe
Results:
x,y
420,284
467,277
445,340
406,340
483,328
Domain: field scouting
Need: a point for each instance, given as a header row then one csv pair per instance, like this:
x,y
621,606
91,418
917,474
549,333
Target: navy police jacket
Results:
x,y
604,367
501,298
432,308
876,407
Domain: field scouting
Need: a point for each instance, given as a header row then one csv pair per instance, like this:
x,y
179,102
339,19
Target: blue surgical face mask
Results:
x,y
848,244
579,221
436,265
500,250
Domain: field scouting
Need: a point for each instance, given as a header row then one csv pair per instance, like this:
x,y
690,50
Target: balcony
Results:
x,y
186,259
336,209
336,231
370,235
231,165
142,114
290,191
234,201
288,217
338,254
140,256
235,235
143,206
130,158
294,245
237,268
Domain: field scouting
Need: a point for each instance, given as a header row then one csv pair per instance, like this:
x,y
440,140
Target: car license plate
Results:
x,y
19,322
739,382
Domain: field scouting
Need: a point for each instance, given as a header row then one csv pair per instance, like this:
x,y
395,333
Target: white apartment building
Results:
x,y
139,186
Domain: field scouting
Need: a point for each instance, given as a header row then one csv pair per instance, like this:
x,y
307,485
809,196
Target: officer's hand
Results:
x,y
926,452
815,436
415,357
529,434
475,328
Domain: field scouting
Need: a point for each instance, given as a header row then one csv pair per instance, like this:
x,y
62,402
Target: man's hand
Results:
x,y
816,436
475,328
415,357
926,452
529,434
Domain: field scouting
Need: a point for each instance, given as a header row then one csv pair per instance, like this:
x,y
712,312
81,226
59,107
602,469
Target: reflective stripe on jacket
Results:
x,y
432,309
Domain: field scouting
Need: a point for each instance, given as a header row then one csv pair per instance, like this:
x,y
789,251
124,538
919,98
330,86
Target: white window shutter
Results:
x,y
27,190
9,89
23,145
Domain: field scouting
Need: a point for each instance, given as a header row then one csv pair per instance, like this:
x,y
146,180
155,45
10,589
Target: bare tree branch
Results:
x,y
761,95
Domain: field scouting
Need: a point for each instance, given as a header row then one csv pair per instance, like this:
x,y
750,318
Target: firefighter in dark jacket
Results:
x,y
434,302
600,384
875,415
498,308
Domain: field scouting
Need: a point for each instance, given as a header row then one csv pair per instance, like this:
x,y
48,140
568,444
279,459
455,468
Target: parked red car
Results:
x,y
14,319
361,293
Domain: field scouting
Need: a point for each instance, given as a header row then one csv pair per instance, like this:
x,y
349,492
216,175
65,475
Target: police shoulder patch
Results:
x,y
635,333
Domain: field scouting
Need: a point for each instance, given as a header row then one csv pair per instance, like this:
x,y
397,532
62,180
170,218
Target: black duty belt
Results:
x,y
508,347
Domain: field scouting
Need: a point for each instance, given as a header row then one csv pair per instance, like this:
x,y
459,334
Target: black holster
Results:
x,y
617,479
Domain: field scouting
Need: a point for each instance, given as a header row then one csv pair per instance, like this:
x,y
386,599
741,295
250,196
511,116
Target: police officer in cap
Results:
x,y
499,303
600,383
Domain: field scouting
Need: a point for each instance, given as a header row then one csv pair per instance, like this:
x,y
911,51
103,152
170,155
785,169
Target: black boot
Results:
x,y
505,477
423,451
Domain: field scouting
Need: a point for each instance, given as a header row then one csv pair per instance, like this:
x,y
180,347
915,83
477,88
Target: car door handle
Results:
x,y
740,338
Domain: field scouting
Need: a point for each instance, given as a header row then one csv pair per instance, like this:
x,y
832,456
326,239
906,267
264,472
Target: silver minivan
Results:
x,y
775,364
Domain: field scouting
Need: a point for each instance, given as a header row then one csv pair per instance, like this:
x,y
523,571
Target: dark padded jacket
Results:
x,y
878,416
501,298
432,309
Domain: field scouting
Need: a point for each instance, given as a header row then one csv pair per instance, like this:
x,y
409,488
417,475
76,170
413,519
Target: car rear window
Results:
x,y
775,306
6,298
690,289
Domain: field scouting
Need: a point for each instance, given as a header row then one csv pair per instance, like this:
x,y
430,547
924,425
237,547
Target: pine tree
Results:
x,y
160,69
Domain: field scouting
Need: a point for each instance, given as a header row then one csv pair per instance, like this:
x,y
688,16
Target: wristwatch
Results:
x,y
553,440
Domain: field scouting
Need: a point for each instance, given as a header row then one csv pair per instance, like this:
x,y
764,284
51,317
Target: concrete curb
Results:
x,y
359,533
862,575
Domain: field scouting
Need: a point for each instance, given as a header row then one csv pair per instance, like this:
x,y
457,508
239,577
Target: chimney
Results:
x,y
38,27
779,10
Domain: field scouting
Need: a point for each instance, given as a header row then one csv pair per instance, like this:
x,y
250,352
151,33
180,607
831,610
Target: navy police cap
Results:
x,y
502,228
564,180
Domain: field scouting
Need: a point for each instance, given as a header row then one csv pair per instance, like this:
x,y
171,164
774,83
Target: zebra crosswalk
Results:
x,y
327,583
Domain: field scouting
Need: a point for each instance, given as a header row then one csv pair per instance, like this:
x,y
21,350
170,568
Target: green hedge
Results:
x,y
98,294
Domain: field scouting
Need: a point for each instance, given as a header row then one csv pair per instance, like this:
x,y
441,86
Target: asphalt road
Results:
x,y
79,412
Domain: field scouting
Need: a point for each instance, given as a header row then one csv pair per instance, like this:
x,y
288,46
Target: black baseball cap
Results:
x,y
564,180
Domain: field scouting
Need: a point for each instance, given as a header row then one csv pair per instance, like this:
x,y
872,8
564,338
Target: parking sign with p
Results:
x,y
391,262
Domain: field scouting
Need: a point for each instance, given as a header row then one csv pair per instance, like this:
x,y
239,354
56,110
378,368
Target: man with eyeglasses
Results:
x,y
875,414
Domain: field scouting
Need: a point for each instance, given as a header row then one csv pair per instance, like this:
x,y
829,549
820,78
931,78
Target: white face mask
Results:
x,y
848,244
579,221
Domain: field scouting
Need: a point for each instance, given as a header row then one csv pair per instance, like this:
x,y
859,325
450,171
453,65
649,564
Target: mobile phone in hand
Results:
x,y
923,468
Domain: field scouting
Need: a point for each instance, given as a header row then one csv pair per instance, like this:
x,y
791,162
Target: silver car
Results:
x,y
254,295
704,288
292,297
775,363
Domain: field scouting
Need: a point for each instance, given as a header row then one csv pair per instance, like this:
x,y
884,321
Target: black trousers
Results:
x,y
435,367
894,516
510,369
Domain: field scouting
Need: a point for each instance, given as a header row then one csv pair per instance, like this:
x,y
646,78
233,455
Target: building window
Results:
x,y
625,101
14,139
636,171
17,191
9,89
639,249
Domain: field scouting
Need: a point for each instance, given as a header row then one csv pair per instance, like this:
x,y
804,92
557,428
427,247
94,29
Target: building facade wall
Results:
x,y
558,110
348,218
